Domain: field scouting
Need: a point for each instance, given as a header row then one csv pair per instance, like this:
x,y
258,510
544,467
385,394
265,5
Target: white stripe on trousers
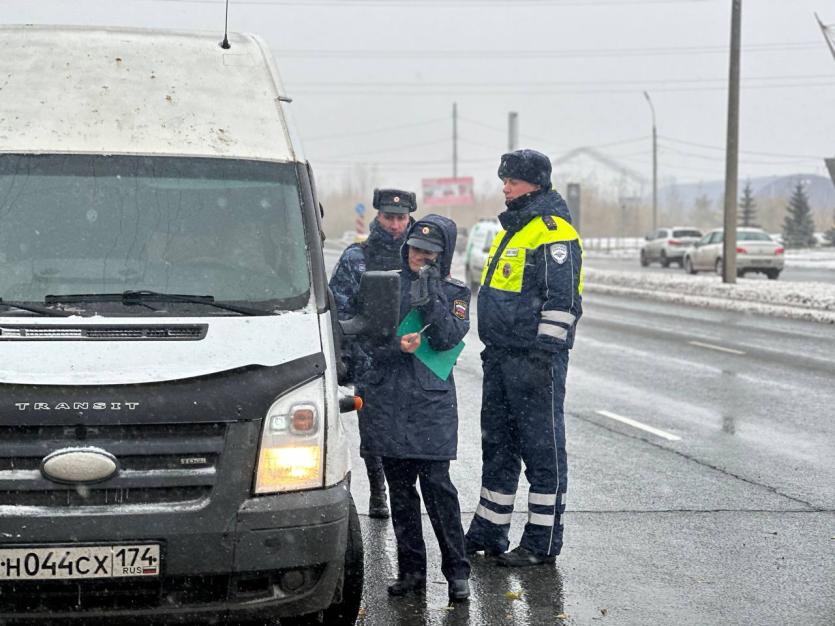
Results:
x,y
505,499
500,519
541,520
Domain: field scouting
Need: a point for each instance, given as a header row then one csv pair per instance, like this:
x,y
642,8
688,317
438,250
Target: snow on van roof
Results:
x,y
135,91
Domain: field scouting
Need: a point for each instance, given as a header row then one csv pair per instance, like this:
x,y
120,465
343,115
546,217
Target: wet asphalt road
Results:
x,y
731,523
791,273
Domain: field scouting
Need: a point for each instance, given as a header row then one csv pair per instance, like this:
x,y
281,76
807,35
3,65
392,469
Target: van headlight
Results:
x,y
292,441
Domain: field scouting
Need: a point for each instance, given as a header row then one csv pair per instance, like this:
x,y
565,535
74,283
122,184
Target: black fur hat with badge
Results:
x,y
528,165
394,201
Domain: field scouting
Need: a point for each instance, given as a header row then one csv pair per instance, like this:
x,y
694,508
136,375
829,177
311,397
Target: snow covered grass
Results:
x,y
810,258
806,301
818,258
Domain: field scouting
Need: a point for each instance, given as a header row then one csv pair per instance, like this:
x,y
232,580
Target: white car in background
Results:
x,y
756,251
478,247
667,245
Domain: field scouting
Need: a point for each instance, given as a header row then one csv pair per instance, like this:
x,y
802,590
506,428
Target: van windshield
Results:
x,y
92,224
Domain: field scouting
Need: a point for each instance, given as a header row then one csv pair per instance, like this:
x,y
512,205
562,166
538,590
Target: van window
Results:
x,y
81,224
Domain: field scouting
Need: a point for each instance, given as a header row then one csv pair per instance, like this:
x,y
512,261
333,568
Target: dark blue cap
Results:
x,y
426,236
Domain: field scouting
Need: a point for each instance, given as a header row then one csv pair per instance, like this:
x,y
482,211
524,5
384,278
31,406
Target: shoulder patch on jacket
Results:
x,y
455,281
459,309
550,224
559,252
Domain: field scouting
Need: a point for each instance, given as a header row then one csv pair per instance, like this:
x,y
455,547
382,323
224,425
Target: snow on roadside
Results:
x,y
804,301
818,258
809,258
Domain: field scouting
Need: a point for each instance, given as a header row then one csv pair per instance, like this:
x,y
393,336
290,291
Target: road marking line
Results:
x,y
637,424
712,347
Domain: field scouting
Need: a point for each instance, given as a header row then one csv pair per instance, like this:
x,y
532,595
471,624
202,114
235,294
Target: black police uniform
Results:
x,y
380,251
410,419
528,307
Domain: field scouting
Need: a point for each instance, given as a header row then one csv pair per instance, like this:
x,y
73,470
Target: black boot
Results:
x,y
378,507
378,502
522,557
459,590
409,583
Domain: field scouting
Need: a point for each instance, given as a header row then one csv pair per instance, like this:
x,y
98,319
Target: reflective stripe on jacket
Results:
x,y
531,286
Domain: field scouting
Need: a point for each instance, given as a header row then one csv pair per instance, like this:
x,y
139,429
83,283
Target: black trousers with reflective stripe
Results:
x,y
441,500
522,420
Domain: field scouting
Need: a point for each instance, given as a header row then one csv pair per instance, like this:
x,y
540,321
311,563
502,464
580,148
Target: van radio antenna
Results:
x,y
225,43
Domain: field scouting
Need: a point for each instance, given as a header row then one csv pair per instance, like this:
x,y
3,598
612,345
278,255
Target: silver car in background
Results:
x,y
478,248
667,245
756,251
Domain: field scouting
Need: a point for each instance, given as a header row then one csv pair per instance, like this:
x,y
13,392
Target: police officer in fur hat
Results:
x,y
380,251
528,307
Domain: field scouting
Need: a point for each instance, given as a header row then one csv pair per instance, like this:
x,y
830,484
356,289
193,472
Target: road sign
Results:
x,y
360,208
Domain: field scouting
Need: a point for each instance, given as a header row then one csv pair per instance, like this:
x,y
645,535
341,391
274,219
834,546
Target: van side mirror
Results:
x,y
379,307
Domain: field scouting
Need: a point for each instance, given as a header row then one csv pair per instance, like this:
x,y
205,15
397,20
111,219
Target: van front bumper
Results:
x,y
280,555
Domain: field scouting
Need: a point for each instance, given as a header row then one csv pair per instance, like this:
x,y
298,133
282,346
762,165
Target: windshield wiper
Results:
x,y
143,296
33,308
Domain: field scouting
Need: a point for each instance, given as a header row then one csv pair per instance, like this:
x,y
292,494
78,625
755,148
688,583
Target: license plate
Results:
x,y
77,562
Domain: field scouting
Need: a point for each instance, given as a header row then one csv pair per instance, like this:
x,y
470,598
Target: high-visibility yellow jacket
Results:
x,y
532,283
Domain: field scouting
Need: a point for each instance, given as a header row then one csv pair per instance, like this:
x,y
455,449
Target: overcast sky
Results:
x,y
374,81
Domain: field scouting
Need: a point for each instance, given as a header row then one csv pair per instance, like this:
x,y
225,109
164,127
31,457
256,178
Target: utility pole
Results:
x,y
732,150
654,166
512,131
455,140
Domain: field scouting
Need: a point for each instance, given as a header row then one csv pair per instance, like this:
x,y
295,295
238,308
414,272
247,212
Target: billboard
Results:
x,y
447,191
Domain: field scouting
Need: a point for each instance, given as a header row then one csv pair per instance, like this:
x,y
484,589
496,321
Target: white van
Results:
x,y
172,446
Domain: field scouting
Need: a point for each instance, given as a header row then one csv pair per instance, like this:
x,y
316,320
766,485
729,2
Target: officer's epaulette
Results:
x,y
550,223
455,281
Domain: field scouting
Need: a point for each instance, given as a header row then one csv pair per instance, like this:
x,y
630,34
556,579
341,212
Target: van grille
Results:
x,y
158,463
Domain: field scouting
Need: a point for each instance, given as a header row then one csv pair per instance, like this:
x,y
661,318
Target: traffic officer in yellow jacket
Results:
x,y
528,307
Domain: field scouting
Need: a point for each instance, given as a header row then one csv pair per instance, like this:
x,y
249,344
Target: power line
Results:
x,y
374,131
828,32
705,157
554,92
516,54
398,148
527,84
439,4
721,148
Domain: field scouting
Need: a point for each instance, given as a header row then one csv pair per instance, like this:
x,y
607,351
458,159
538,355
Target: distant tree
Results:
x,y
747,207
798,225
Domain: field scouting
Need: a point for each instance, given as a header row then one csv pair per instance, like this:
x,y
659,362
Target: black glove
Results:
x,y
426,286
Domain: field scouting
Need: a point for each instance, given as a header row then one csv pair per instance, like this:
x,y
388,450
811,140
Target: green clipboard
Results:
x,y
439,362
